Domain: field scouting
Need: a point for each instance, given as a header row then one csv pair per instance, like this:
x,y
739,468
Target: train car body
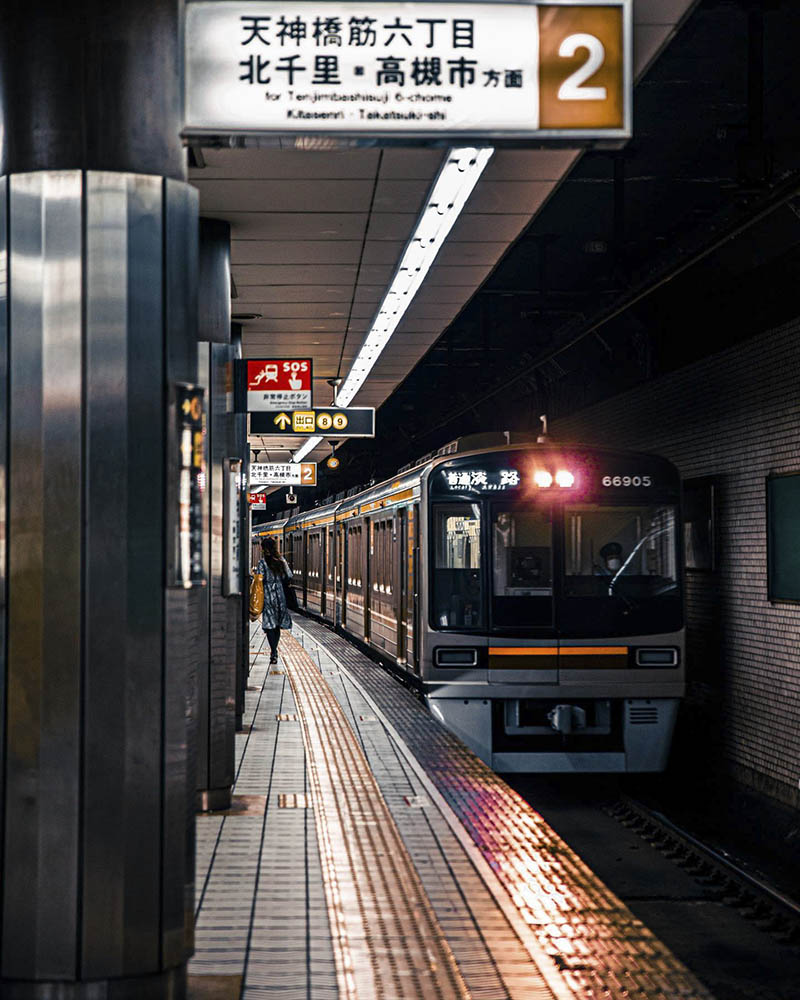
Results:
x,y
532,592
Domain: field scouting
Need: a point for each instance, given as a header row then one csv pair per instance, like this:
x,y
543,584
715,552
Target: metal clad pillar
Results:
x,y
217,689
243,622
124,546
98,268
183,638
43,682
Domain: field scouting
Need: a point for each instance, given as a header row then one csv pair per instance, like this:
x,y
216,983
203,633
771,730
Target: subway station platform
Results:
x,y
368,854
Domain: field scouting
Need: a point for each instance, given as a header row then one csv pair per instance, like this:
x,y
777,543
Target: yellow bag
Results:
x,y
256,596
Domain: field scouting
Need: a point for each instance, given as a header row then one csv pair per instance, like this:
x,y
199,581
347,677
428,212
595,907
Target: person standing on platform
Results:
x,y
275,616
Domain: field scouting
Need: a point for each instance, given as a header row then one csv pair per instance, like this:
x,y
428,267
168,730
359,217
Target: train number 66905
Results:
x,y
627,480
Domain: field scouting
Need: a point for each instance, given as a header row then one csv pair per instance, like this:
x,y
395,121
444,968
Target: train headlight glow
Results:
x,y
542,478
565,478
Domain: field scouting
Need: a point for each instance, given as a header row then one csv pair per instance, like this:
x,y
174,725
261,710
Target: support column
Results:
x,y
217,680
243,625
98,269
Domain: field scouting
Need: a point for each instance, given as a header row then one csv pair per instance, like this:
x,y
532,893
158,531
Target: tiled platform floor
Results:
x,y
262,918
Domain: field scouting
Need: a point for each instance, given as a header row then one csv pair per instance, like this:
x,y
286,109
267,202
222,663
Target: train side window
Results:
x,y
457,586
376,552
522,566
387,555
783,537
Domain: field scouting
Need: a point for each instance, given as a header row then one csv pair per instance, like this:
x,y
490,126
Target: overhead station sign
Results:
x,y
493,69
279,384
332,421
283,474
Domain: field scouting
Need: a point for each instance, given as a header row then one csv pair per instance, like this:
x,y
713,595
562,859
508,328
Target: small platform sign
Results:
x,y
332,421
257,501
283,474
278,384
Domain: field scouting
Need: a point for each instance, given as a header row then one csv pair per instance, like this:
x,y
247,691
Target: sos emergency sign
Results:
x,y
278,384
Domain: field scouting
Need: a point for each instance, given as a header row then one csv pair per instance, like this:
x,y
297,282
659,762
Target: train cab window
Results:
x,y
457,587
522,567
625,552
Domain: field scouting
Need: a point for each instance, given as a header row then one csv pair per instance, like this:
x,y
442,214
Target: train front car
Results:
x,y
553,621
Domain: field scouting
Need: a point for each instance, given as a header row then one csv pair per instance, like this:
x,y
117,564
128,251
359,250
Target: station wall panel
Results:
x,y
735,417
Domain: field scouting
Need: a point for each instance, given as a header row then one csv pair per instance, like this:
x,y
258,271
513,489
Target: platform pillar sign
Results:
x,y
185,564
279,384
257,501
232,515
332,421
283,474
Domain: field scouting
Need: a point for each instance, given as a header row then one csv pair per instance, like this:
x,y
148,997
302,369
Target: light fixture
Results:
x,y
564,478
458,175
542,478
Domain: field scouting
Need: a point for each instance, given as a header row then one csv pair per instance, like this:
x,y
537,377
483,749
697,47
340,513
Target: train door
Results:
x,y
411,575
323,567
400,574
303,540
368,533
341,558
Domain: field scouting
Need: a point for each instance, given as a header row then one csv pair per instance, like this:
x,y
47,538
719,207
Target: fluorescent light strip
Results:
x,y
458,175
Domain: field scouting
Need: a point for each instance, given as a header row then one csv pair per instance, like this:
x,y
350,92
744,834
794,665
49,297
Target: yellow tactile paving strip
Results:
x,y
602,950
387,941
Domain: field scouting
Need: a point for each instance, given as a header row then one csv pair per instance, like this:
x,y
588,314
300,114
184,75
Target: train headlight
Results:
x,y
565,478
542,478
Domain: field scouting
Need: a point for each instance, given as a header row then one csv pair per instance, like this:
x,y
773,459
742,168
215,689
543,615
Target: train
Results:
x,y
531,591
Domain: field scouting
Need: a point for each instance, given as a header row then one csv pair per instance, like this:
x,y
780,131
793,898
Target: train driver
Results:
x,y
611,556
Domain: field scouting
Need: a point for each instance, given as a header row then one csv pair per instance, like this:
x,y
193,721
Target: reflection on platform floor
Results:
x,y
433,877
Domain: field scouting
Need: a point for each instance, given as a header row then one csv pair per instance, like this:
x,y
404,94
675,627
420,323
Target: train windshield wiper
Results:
x,y
624,566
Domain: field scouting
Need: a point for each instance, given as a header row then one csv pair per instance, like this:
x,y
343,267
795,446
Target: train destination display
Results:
x,y
479,69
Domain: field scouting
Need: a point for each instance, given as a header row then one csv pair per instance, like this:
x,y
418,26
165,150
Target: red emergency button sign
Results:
x,y
279,384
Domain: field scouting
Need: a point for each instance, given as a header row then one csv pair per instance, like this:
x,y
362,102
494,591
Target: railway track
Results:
x,y
723,876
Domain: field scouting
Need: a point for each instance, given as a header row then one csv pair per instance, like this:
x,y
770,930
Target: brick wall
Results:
x,y
734,416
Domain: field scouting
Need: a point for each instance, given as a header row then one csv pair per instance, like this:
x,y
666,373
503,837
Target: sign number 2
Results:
x,y
572,88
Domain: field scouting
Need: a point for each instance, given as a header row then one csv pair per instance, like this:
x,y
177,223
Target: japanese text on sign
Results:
x,y
283,474
279,384
482,480
333,422
413,67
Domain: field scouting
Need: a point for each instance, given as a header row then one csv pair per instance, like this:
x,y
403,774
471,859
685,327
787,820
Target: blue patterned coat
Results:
x,y
275,613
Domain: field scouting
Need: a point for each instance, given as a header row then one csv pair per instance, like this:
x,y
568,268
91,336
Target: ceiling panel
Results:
x,y
271,327
288,164
488,228
405,195
311,252
288,195
417,164
391,226
527,164
294,274
498,196
265,294
260,224
383,251
463,276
